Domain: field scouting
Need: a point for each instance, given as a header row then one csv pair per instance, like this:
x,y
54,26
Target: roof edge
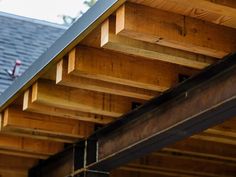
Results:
x,y
78,31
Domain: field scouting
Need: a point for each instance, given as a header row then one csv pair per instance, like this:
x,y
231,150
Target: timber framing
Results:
x,y
131,86
70,38
192,39
110,147
217,80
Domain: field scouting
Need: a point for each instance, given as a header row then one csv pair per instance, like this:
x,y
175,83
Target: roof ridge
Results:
x,y
32,20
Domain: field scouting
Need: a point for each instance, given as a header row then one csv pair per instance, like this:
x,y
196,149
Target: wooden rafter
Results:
x,y
62,112
128,45
217,11
124,69
46,92
70,80
174,30
28,147
36,125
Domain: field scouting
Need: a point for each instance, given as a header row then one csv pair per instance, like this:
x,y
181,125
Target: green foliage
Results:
x,y
89,3
68,20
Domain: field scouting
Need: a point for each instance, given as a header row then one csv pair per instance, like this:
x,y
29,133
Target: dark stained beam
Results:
x,y
203,101
62,164
198,103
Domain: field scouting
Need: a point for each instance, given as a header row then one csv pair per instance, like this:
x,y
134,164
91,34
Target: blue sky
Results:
x,y
49,10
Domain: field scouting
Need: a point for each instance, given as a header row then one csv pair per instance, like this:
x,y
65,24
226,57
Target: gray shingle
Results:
x,y
24,39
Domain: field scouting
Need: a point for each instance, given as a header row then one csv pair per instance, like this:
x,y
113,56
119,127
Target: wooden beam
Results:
x,y
201,102
127,45
14,163
12,166
60,112
33,125
166,172
13,173
173,30
218,12
223,133
62,164
200,159
131,173
181,164
203,148
27,147
63,78
215,138
174,163
46,92
116,68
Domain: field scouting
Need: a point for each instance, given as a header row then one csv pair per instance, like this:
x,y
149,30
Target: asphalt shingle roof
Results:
x,y
24,39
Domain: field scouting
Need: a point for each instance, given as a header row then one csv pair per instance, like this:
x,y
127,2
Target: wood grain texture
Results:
x,y
125,69
222,12
75,81
28,147
33,124
127,45
173,30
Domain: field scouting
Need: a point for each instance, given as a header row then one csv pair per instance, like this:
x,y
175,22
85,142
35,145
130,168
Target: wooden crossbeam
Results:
x,y
63,78
199,103
35,125
12,166
46,92
218,12
60,112
8,162
13,173
28,147
173,30
216,138
175,164
223,133
164,172
124,69
204,149
127,45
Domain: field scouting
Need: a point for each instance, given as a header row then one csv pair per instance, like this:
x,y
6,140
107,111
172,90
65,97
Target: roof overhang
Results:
x,y
78,31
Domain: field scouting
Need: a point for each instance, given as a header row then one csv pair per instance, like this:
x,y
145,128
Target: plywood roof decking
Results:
x,y
135,54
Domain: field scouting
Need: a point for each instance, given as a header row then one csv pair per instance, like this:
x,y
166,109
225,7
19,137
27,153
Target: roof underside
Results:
x,y
165,55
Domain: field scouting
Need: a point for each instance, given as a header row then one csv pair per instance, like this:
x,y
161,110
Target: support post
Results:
x,y
62,164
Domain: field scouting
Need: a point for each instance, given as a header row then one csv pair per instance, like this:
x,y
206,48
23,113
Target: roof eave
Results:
x,y
78,31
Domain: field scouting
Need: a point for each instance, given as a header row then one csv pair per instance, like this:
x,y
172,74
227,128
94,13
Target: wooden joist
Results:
x,y
62,112
177,164
217,11
47,93
203,149
223,133
215,137
13,173
124,69
35,125
127,45
28,147
173,30
12,166
63,78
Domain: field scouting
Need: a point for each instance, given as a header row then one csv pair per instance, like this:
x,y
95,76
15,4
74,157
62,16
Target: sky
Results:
x,y
48,10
